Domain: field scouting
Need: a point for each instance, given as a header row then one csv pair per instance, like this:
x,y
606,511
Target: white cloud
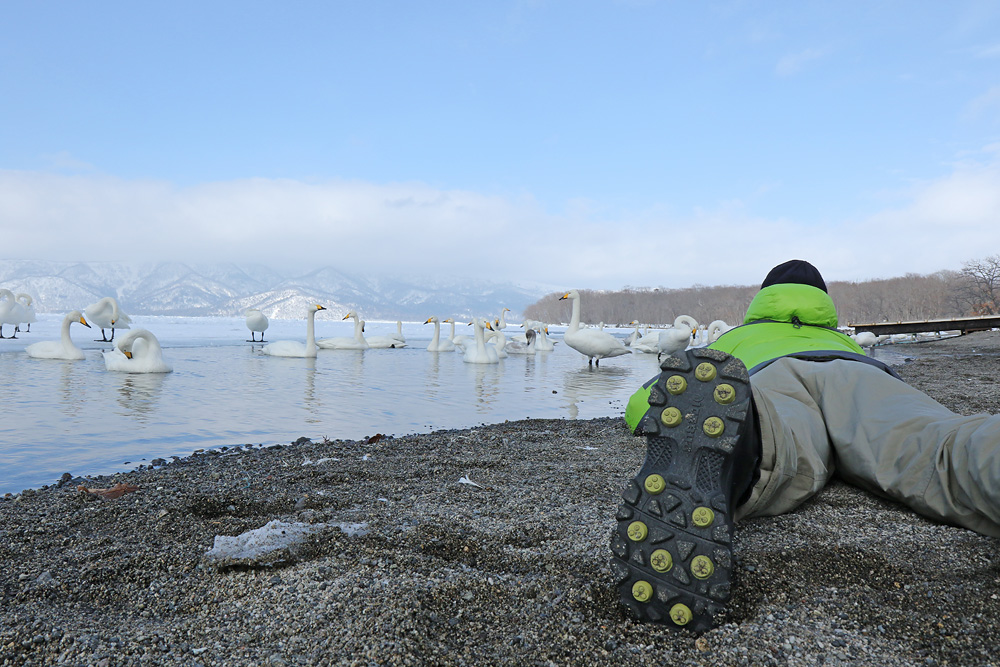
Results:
x,y
415,229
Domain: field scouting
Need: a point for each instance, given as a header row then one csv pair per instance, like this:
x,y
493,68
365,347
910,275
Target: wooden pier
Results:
x,y
962,324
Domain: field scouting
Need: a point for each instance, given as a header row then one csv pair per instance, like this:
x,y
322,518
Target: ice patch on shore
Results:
x,y
273,539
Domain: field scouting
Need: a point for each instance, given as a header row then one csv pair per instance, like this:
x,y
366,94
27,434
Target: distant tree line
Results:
x,y
975,290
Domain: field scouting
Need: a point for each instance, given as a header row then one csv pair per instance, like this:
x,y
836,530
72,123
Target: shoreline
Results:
x,y
486,545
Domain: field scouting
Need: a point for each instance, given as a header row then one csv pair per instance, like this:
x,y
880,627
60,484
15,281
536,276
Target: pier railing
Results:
x,y
962,324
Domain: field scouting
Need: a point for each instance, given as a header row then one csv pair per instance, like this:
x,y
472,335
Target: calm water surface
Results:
x,y
61,416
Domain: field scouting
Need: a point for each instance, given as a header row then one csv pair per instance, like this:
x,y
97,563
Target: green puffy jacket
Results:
x,y
782,320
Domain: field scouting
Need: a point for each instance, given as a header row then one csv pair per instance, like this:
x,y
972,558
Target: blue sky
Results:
x,y
577,144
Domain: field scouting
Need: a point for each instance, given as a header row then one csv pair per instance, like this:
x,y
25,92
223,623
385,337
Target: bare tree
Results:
x,y
979,287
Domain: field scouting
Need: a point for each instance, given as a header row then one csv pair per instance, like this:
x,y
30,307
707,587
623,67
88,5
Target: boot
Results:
x,y
672,548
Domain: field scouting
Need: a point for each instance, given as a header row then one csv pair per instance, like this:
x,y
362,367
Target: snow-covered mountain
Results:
x,y
172,288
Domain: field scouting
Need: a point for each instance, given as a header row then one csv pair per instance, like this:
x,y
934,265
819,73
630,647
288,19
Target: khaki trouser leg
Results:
x,y
881,434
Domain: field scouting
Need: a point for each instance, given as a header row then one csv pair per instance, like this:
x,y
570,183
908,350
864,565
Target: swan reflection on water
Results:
x,y
593,383
138,395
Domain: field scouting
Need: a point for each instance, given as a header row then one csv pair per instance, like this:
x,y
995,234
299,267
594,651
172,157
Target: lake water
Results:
x,y
77,417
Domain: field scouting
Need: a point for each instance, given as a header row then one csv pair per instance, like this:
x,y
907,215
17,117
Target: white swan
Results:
x,y
634,336
64,348
293,348
542,342
591,343
27,309
384,342
480,353
8,311
499,341
867,339
399,332
256,322
138,351
716,329
500,323
106,314
461,339
355,342
437,344
678,337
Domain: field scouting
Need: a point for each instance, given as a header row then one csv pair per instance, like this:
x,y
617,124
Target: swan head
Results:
x,y
349,315
318,307
572,294
77,316
432,318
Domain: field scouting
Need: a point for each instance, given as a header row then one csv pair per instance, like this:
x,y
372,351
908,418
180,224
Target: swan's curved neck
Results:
x,y
64,331
437,332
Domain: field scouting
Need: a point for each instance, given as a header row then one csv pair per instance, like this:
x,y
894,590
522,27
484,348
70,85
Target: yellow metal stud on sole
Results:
x,y
642,591
704,371
713,427
681,614
676,384
655,484
702,567
671,416
702,517
724,394
661,560
637,531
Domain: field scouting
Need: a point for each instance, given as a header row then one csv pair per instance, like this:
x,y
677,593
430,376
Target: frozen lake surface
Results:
x,y
77,417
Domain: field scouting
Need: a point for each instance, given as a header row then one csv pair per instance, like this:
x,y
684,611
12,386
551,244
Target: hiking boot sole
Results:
x,y
672,549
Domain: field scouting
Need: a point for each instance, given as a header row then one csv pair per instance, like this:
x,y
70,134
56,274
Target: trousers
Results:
x,y
821,418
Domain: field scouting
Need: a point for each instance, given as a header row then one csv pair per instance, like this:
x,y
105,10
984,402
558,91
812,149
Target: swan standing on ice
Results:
x,y
437,344
106,315
355,342
591,343
293,348
138,351
480,353
64,348
8,310
256,321
27,310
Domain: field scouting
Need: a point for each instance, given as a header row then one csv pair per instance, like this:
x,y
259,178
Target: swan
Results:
x,y
480,353
499,342
256,321
500,323
355,342
293,348
8,311
461,339
634,336
867,339
716,329
106,314
399,332
138,351
27,309
383,342
64,348
591,343
678,337
437,344
528,347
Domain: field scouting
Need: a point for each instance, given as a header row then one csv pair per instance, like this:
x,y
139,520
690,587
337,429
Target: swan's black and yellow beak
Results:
x,y
127,353
428,320
345,317
564,296
84,322
319,307
490,327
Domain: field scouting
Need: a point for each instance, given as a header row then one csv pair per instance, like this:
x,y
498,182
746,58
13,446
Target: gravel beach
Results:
x,y
485,546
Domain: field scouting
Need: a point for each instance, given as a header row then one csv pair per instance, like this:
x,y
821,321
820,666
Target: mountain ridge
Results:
x,y
229,289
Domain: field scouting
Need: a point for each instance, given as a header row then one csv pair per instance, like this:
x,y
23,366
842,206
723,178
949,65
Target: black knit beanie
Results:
x,y
794,271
